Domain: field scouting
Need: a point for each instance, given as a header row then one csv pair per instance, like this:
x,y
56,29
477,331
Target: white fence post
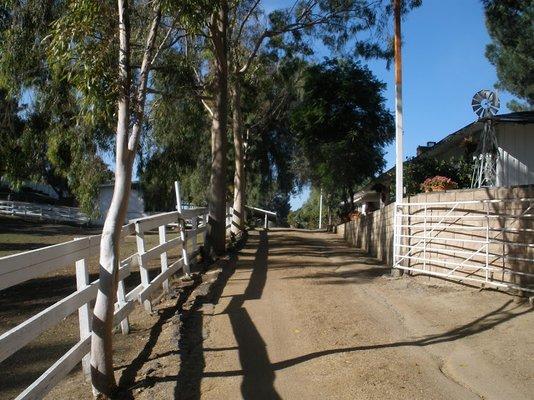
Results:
x,y
84,312
183,236
121,300
185,256
163,256
143,270
178,196
194,231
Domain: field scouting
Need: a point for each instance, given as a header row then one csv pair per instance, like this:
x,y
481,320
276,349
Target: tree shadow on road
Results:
x,y
258,373
486,322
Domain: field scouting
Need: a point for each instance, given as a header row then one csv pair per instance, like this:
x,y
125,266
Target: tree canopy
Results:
x,y
511,28
341,126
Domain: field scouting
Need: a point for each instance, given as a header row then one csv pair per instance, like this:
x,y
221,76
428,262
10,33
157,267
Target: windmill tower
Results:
x,y
485,104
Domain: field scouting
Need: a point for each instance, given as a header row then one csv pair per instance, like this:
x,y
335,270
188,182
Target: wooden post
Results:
x,y
185,256
163,256
183,236
84,313
121,299
178,196
321,210
194,245
266,224
399,184
399,132
143,270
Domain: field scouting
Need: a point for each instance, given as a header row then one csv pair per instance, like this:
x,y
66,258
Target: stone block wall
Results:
x,y
511,248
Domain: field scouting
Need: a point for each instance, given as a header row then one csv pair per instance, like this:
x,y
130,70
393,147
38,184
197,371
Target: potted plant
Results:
x,y
438,184
354,215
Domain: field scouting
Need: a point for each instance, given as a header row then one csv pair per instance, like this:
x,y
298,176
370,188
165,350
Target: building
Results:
x,y
515,164
136,203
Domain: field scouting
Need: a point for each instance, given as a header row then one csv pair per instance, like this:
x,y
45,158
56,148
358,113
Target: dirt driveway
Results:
x,y
305,317
300,315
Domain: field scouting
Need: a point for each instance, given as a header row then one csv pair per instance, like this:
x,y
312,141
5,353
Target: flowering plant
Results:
x,y
438,183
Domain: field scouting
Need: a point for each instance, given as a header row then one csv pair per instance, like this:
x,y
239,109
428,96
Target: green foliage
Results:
x,y
511,28
416,171
341,127
60,148
176,144
268,99
307,216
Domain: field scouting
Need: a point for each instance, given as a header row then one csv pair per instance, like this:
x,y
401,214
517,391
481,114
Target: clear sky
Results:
x,y
443,67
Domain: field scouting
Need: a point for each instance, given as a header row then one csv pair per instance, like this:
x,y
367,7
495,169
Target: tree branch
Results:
x,y
143,79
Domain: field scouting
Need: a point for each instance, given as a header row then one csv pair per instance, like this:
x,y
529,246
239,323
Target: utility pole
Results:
x,y
321,210
399,184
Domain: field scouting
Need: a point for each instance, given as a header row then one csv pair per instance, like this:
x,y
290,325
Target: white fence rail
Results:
x,y
488,242
19,268
266,214
43,212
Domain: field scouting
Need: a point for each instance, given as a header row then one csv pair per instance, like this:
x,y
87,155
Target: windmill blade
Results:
x,y
485,103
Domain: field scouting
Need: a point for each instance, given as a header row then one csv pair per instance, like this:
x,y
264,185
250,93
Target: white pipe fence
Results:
x,y
43,212
22,267
489,242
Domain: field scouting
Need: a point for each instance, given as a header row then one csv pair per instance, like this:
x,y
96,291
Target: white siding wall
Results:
x,y
136,204
516,158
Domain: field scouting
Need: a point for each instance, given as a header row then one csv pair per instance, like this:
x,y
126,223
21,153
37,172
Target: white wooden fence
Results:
x,y
21,267
43,212
266,215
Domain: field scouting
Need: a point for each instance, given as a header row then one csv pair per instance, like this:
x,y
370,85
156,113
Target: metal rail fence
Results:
x,y
487,242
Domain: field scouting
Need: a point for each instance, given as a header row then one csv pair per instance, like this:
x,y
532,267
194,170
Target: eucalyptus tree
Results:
x,y
61,148
511,28
336,23
342,126
82,46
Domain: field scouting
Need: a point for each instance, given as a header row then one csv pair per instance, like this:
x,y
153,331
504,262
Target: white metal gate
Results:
x,y
487,242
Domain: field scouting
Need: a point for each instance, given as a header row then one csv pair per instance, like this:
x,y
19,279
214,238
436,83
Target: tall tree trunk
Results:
x,y
217,199
102,375
238,219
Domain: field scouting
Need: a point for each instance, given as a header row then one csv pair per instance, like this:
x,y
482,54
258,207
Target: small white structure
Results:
x,y
136,203
515,165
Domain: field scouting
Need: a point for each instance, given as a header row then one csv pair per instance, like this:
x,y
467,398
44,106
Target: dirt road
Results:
x,y
305,317
300,315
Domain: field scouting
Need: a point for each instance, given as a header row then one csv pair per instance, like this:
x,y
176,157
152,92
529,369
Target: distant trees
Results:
x,y
45,120
511,28
341,127
307,216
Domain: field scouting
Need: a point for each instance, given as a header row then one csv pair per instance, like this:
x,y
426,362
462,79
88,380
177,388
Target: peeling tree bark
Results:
x,y
102,376
238,218
217,196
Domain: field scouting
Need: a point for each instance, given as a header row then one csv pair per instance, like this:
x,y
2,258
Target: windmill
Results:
x,y
485,104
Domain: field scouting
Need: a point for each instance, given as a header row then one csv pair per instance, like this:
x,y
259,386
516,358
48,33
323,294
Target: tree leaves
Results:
x,y
342,126
511,28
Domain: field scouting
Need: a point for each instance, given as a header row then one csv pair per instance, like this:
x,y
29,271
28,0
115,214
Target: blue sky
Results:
x,y
443,66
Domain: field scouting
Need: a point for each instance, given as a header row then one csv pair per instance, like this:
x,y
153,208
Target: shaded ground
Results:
x,y
299,315
22,301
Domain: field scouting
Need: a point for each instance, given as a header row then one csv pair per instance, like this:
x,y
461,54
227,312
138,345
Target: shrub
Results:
x,y
438,183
